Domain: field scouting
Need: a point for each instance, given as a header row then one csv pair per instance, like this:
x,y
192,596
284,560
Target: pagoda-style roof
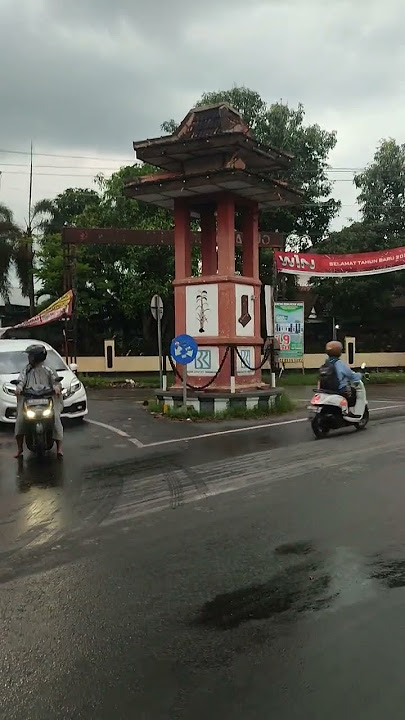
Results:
x,y
204,133
212,151
162,190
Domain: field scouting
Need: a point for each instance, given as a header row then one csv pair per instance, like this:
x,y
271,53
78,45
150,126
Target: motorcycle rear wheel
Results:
x,y
318,427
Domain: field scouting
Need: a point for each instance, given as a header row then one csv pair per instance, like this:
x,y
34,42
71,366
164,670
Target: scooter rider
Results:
x,y
345,375
38,376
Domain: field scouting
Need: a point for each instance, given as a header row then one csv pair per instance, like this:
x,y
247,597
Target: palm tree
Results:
x,y
10,252
16,249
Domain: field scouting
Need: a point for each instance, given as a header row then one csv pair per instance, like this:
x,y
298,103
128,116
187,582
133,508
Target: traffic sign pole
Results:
x,y
156,308
159,332
183,350
185,385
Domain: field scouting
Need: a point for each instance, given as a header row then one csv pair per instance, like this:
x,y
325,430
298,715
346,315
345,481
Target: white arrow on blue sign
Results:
x,y
183,349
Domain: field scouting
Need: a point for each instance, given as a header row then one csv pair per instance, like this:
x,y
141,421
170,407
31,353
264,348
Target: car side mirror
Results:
x,y
13,382
73,367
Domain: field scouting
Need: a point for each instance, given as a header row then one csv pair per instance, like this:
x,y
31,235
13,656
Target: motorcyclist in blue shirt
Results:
x,y
346,376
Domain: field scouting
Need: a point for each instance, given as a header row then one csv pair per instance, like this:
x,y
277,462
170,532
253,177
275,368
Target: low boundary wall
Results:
x,y
143,364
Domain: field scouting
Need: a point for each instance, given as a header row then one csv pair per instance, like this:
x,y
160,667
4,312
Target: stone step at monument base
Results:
x,y
217,402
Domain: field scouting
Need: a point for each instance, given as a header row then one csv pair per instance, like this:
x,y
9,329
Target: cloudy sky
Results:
x,y
85,78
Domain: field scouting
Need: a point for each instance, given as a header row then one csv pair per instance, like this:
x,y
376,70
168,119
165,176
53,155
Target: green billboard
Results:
x,y
289,329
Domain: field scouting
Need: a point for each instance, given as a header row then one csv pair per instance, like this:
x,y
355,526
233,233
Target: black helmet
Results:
x,y
36,353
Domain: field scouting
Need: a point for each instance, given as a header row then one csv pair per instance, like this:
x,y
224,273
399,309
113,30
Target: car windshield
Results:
x,y
16,360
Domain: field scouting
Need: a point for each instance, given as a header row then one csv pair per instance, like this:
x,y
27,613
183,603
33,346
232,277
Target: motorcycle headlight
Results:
x,y
75,385
30,414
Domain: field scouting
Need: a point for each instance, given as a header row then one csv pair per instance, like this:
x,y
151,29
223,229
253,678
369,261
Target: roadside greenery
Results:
x,y
284,405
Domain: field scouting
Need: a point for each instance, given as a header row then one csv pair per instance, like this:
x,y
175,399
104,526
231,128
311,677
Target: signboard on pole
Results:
x,y
183,350
156,307
289,329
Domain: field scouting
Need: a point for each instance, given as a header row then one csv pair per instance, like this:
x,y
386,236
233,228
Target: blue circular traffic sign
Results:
x,y
183,349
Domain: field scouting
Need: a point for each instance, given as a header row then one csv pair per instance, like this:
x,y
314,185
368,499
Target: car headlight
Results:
x,y
9,389
75,385
30,414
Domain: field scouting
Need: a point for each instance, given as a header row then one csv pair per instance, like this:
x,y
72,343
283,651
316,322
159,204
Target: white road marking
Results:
x,y
246,429
218,433
225,432
137,442
117,431
397,402
386,407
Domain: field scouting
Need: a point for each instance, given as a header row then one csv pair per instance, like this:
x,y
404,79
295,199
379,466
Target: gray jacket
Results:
x,y
37,378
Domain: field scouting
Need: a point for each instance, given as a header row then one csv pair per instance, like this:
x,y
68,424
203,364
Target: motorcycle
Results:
x,y
38,414
330,411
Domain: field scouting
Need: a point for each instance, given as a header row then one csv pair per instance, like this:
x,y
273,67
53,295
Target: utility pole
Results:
x,y
30,249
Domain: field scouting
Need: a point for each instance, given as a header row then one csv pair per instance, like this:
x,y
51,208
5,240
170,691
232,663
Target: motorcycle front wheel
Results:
x,y
364,420
319,428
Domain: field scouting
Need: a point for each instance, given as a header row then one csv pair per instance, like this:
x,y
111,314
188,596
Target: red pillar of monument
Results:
x,y
182,260
208,225
219,308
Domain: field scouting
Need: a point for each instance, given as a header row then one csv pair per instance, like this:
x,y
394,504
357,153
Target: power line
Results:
x,y
56,155
122,160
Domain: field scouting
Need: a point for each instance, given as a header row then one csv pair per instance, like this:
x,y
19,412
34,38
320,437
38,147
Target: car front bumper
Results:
x,y
74,408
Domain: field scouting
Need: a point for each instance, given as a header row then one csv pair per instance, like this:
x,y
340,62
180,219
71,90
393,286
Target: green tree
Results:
x,y
382,188
14,252
284,128
382,199
358,300
115,283
64,209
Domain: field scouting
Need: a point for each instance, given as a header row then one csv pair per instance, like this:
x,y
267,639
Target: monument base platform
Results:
x,y
217,402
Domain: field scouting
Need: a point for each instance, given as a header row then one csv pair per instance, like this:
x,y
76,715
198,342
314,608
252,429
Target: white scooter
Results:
x,y
330,411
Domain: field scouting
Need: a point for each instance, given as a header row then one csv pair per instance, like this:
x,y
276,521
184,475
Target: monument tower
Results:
x,y
212,170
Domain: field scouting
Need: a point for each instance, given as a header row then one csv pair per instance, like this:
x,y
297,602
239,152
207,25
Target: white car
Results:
x,y
13,359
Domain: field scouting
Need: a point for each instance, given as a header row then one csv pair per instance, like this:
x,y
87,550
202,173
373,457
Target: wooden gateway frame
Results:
x,y
72,237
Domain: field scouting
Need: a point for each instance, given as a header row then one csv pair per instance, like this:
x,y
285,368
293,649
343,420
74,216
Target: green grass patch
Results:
x,y
284,405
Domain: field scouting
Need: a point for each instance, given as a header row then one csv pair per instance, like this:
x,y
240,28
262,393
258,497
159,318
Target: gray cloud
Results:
x,y
90,76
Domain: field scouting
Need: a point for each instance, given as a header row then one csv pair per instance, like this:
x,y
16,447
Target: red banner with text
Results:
x,y
59,309
353,265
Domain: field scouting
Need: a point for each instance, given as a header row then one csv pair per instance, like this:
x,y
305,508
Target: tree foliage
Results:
x,y
115,283
282,127
382,188
358,300
15,252
381,195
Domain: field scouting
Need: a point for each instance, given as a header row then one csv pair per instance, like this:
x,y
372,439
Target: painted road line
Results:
x,y
204,436
247,429
387,400
117,431
225,432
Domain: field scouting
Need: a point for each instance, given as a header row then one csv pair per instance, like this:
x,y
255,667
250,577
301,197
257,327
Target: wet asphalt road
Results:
x,y
239,576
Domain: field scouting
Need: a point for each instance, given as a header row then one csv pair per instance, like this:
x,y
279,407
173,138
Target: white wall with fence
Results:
x,y
115,364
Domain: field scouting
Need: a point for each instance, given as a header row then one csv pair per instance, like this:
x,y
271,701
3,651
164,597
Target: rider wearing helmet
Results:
x,y
345,375
36,376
